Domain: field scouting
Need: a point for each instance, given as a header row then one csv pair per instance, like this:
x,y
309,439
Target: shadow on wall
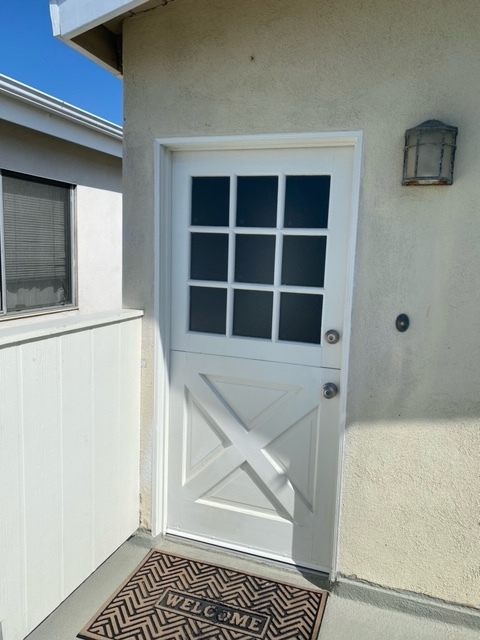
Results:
x,y
64,161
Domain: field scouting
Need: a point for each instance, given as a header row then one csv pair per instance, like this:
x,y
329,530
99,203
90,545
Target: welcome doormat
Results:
x,y
174,598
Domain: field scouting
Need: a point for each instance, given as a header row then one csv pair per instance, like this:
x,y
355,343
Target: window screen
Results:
x,y
36,242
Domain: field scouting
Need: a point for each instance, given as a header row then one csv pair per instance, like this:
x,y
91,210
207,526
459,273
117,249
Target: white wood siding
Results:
x,y
69,455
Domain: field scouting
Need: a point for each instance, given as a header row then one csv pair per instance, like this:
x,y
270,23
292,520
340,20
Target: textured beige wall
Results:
x,y
411,507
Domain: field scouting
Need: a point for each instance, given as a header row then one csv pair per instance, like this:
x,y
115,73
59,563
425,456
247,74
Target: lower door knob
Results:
x,y
329,390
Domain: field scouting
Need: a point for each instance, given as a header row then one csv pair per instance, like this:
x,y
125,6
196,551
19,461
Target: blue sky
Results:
x,y
29,53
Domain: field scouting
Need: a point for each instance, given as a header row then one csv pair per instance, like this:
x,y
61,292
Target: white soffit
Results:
x,y
72,17
36,110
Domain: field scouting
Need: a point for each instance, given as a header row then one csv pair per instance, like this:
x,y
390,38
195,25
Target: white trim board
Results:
x,y
163,150
72,17
267,141
57,326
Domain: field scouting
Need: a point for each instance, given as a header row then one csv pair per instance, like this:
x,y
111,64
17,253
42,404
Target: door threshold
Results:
x,y
218,549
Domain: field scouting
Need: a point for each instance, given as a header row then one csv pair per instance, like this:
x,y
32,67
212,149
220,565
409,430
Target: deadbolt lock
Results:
x,y
332,336
329,390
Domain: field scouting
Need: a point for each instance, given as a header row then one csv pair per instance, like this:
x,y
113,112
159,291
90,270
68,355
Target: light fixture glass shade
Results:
x,y
429,153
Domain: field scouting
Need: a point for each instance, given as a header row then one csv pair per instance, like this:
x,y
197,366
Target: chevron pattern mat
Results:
x,y
173,598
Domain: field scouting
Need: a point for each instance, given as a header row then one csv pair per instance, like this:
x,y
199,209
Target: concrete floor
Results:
x,y
344,619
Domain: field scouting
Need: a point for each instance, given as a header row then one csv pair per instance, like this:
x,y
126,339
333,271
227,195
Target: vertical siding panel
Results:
x,y
43,477
69,452
13,603
129,427
106,363
78,478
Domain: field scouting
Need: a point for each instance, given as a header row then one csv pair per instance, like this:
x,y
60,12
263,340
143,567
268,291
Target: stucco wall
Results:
x,y
410,500
98,208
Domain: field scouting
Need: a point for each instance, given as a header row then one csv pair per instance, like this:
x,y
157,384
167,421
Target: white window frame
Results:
x,y
8,315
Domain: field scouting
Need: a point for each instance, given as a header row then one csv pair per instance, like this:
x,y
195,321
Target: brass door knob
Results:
x,y
329,390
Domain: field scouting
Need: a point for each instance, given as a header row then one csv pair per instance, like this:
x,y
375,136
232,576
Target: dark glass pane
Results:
x,y
208,309
306,202
210,201
209,256
257,201
300,317
252,313
254,258
303,262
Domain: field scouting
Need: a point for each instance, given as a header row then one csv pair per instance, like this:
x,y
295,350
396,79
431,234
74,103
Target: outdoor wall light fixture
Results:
x,y
429,153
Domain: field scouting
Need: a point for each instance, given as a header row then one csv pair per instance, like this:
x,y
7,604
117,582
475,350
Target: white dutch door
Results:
x,y
259,255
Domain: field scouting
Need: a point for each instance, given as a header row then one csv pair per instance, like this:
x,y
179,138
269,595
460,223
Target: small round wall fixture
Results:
x,y
402,322
429,154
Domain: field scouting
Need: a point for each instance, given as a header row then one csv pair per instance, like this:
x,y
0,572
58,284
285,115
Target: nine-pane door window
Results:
x,y
257,268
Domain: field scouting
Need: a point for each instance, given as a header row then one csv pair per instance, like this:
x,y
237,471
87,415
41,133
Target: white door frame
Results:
x,y
163,151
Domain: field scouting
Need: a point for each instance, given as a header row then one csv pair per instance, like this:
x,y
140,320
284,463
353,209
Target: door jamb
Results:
x,y
163,151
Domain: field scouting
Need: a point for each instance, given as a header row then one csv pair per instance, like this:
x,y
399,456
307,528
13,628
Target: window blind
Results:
x,y
36,238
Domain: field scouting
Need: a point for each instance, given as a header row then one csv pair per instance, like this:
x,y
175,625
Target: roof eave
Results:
x,y
70,18
36,110
80,25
